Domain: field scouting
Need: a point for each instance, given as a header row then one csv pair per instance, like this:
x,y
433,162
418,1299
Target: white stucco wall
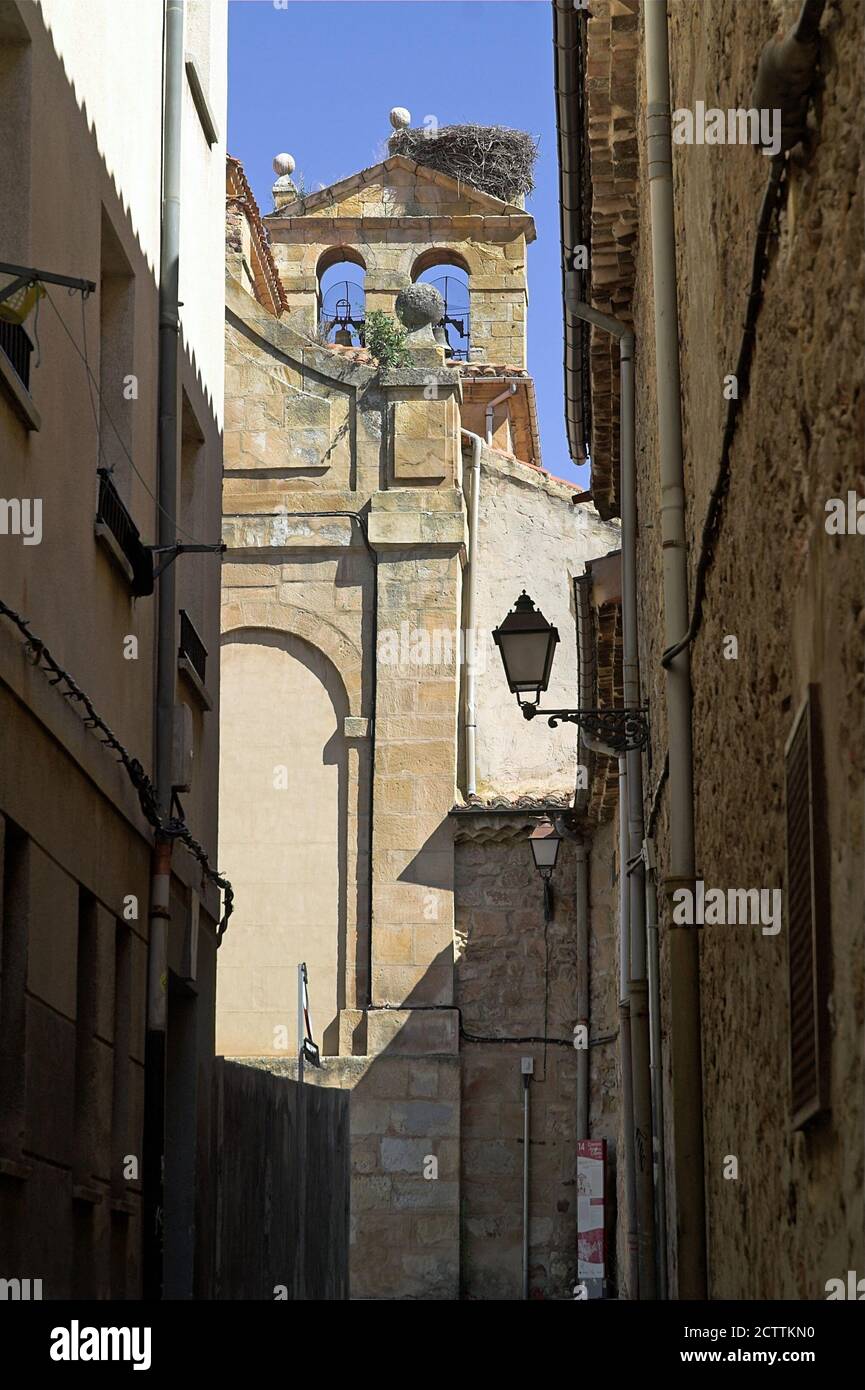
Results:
x,y
532,538
112,53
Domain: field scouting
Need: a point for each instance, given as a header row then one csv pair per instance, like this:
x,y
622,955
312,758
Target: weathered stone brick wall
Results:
x,y
792,595
404,1112
516,980
611,84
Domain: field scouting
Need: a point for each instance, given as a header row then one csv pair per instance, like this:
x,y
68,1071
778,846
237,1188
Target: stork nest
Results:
x,y
492,158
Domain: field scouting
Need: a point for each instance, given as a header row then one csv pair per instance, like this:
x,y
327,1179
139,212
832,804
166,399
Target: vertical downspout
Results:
x,y
583,988
166,647
685,1031
638,986
526,1177
490,410
471,615
632,1288
657,1064
632,866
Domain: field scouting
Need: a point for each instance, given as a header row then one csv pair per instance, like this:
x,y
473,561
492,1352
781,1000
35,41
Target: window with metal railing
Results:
x,y
15,342
112,514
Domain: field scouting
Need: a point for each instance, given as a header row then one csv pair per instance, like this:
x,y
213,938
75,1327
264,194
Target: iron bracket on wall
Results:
x,y
171,552
27,275
621,729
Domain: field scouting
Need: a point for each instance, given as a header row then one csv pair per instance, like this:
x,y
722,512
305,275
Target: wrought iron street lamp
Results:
x,y
527,643
545,841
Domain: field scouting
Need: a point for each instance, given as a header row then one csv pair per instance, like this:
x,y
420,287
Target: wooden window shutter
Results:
x,y
808,941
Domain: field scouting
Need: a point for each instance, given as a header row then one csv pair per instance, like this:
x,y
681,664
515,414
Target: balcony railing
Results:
x,y
112,514
15,342
191,646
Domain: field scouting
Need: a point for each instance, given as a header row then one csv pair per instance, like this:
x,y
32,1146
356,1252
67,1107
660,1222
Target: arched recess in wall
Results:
x,y
341,277
449,272
284,818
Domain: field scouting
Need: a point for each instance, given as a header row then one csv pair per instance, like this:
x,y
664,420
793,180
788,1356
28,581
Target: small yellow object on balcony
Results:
x,y
19,304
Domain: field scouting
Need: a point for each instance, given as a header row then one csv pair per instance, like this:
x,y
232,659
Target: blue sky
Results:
x,y
318,79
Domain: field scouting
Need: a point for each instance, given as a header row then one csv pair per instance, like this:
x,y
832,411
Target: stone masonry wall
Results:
x,y
403,1112
514,980
793,597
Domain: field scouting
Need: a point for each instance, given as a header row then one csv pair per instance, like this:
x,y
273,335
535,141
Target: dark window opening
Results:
x,y
15,342
191,645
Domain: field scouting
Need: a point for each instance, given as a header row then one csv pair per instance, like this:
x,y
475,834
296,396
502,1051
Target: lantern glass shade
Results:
x,y
527,643
545,848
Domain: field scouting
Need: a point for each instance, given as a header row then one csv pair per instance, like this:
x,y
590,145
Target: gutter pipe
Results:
x,y
632,863
631,1260
490,410
525,1067
657,1067
583,997
153,1157
685,1028
474,501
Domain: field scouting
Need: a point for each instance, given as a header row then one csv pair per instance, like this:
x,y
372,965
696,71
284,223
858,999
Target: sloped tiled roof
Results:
x,y
239,195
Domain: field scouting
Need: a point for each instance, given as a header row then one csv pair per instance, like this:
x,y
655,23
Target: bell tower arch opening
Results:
x,y
448,272
341,296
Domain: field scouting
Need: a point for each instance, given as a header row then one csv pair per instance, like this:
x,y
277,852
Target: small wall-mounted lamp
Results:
x,y
545,841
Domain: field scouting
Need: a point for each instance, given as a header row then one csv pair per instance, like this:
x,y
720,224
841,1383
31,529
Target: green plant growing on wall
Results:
x,y
385,339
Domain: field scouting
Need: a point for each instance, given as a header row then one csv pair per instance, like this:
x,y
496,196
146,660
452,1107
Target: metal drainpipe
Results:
x,y
527,1078
685,1029
490,410
657,1064
641,1134
631,1261
583,999
471,613
166,647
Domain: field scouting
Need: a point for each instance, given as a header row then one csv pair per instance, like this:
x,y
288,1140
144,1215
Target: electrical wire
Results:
x,y
38,346
714,513
491,1038
174,828
91,379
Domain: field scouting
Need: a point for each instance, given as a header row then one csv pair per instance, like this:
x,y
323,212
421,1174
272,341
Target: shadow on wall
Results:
x,y
78,822
284,839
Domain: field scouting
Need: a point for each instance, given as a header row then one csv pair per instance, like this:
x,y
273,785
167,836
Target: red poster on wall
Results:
x,y
591,1237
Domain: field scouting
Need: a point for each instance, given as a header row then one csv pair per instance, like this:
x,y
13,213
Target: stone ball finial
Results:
x,y
283,164
400,117
419,306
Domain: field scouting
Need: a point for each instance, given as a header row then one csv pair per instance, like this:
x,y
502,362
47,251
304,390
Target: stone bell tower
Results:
x,y
346,527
